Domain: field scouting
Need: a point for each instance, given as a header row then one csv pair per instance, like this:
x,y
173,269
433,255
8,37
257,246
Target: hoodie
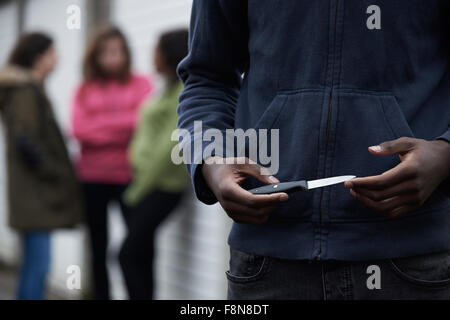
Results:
x,y
334,77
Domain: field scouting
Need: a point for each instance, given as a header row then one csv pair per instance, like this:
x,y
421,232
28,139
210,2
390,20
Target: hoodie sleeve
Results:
x,y
212,75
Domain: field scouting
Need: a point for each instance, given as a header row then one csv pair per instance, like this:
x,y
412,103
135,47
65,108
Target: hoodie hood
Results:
x,y
12,75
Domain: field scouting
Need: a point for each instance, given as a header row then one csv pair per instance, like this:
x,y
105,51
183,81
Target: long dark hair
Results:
x,y
28,49
91,68
173,46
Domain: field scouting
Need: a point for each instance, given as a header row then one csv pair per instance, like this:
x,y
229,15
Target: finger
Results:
x,y
408,186
244,214
396,175
368,202
402,210
399,146
248,219
239,209
251,168
233,192
386,206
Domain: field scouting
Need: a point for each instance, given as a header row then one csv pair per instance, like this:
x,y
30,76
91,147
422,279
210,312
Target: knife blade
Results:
x,y
302,185
328,181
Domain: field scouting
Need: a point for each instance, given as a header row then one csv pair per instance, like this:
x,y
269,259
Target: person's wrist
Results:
x,y
206,168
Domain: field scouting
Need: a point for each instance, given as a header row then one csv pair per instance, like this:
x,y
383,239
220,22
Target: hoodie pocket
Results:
x,y
363,120
297,116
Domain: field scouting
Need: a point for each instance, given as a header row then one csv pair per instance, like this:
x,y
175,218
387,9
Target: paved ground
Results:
x,y
7,283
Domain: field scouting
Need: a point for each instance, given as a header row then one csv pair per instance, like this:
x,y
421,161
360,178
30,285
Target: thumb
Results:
x,y
399,146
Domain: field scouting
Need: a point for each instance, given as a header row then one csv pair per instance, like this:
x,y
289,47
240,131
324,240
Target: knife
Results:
x,y
303,185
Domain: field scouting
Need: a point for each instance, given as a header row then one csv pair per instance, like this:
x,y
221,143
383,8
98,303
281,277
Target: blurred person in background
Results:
x,y
158,184
104,114
42,188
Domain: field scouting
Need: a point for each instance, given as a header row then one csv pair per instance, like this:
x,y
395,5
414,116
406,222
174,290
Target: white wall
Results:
x,y
8,30
8,34
50,16
144,20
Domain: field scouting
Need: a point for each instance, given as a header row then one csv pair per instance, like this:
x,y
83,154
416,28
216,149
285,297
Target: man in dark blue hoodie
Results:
x,y
335,77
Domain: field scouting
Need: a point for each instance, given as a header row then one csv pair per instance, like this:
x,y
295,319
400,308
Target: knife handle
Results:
x,y
287,187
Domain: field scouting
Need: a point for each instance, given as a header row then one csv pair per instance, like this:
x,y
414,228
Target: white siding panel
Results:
x,y
192,254
50,16
144,20
8,35
8,29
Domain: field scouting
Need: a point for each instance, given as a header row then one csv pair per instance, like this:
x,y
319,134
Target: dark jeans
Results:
x,y
414,278
97,198
136,256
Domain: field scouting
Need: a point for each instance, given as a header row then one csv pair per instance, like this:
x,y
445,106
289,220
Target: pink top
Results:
x,y
103,121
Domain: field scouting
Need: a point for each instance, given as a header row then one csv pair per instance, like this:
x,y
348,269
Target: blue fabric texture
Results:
x,y
334,82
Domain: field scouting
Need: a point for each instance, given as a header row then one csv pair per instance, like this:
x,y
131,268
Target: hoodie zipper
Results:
x,y
330,109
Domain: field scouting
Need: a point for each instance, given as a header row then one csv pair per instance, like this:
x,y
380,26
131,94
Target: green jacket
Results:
x,y
43,193
151,149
